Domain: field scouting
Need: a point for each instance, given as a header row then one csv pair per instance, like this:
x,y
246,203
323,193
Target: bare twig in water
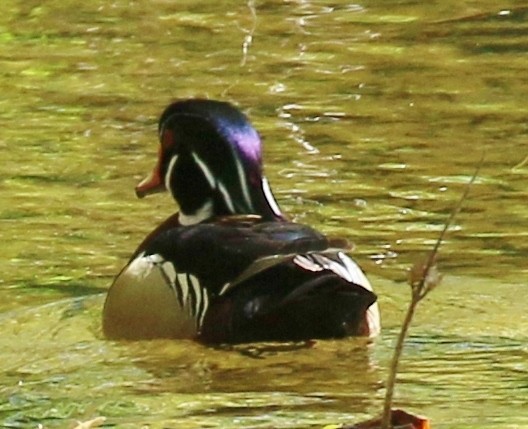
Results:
x,y
516,10
98,421
521,165
248,38
423,278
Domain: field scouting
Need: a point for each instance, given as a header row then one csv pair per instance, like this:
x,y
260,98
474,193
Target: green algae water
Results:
x,y
373,115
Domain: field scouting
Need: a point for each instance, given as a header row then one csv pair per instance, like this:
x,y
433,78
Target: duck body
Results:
x,y
229,268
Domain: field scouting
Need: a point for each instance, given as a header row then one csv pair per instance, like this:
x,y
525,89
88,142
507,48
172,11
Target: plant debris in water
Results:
x,y
89,424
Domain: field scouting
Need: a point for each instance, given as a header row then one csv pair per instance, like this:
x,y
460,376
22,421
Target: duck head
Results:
x,y
210,160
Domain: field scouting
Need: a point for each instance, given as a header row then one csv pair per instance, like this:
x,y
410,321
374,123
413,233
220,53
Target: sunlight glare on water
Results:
x,y
373,116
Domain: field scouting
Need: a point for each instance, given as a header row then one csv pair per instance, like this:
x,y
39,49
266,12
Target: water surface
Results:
x,y
373,115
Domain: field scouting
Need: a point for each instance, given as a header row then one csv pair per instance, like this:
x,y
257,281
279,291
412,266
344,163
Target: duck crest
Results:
x,y
228,267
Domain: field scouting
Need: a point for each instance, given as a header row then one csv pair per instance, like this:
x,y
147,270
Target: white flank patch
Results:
x,y
142,265
168,302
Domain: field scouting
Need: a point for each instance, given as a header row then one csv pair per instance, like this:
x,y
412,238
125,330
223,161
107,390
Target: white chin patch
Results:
x,y
203,213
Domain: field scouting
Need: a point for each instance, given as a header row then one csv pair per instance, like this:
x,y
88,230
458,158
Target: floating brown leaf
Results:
x,y
400,419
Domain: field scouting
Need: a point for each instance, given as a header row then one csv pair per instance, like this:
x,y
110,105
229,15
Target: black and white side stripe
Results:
x,y
192,298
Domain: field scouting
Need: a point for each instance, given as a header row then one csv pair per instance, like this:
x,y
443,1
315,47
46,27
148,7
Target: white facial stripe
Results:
x,y
269,197
168,175
209,176
243,182
214,183
227,198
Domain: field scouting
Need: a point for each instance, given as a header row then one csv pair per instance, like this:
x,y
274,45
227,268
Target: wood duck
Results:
x,y
229,267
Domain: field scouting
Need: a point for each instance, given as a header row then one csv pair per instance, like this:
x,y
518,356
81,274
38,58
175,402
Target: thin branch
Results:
x,y
248,38
427,278
432,256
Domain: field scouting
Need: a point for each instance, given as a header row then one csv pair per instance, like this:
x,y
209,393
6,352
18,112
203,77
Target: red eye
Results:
x,y
167,139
